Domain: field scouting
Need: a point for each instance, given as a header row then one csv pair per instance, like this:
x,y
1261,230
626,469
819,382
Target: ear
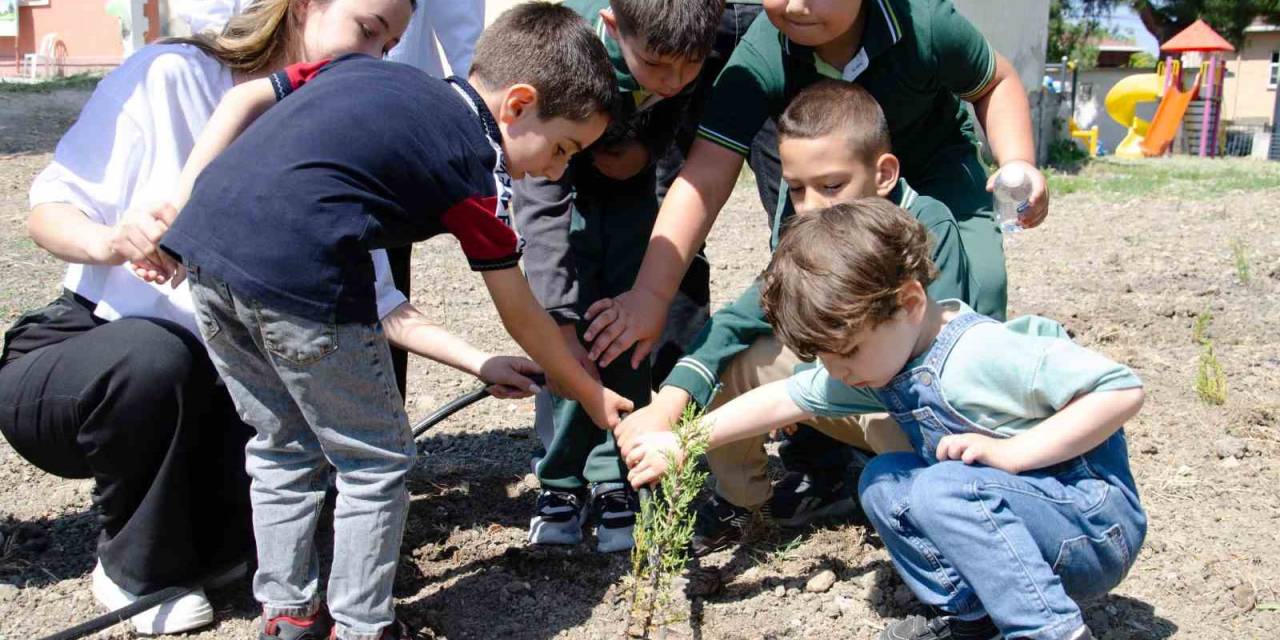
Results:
x,y
610,22
887,171
517,100
914,300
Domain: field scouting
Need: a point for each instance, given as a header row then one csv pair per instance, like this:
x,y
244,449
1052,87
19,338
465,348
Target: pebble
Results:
x,y
822,582
780,591
8,592
832,609
1229,463
1150,449
1230,447
1244,597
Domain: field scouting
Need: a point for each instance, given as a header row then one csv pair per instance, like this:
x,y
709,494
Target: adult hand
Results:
x,y
622,161
635,317
1037,202
508,376
136,239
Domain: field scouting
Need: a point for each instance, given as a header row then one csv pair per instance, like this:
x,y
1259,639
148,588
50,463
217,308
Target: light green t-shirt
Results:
x,y
1004,377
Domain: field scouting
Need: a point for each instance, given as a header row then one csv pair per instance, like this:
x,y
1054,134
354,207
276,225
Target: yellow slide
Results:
x,y
1122,105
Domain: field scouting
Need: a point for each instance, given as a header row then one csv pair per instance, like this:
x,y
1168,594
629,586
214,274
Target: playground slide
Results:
x,y
1168,120
1122,105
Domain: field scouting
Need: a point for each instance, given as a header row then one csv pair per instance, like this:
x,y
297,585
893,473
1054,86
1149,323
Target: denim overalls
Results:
x,y
970,538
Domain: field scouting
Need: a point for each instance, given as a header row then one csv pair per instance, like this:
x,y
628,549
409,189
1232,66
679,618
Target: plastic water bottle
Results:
x,y
1012,195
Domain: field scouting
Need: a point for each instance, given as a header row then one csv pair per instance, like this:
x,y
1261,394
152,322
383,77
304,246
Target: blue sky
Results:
x,y
1124,20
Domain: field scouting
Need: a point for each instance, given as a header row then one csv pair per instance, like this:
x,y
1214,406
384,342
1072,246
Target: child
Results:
x,y
1016,498
920,60
586,233
834,148
370,154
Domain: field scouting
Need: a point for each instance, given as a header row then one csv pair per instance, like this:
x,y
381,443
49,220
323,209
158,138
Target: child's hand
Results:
x,y
1037,203
635,317
579,352
974,448
662,412
651,456
136,240
508,376
606,409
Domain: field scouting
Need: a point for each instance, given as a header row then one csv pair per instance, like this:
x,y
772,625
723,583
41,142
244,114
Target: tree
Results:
x,y
1165,18
1071,34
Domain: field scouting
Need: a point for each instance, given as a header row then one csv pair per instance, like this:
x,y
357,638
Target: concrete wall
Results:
x,y
88,38
1018,30
1246,97
1094,85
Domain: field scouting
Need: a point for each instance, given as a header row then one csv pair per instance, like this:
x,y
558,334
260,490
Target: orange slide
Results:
x,y
1168,119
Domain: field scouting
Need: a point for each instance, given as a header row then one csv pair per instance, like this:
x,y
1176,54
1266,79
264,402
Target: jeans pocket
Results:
x,y
296,340
1090,567
202,302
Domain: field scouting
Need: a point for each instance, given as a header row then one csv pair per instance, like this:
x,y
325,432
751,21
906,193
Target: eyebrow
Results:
x,y
383,21
576,144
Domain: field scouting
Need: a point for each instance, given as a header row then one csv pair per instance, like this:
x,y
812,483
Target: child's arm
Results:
x,y
1074,430
1005,115
411,330
754,413
690,208
538,335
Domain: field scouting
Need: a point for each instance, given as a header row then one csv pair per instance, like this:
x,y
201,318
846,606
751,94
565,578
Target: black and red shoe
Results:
x,y
317,626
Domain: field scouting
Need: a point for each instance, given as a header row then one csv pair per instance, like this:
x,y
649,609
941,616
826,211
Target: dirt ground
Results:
x,y
1126,274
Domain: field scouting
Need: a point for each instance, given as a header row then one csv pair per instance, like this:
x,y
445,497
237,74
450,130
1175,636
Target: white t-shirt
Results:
x,y
125,152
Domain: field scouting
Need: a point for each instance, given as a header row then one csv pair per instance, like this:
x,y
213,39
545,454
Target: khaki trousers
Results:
x,y
740,467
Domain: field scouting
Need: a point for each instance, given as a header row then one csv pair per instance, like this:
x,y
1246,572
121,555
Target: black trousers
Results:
x,y
136,405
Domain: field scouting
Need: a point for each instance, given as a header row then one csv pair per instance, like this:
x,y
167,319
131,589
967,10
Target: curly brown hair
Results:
x,y
840,270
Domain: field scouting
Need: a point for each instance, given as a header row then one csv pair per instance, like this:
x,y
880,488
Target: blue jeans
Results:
x,y
318,394
971,539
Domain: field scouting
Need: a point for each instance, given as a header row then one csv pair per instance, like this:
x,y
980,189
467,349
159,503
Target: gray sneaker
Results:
x,y
559,519
615,506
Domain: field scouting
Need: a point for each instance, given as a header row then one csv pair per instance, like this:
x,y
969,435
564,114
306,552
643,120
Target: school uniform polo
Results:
x,y
359,154
921,60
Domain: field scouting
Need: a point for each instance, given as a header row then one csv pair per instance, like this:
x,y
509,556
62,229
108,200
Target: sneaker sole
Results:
x,y
842,508
542,532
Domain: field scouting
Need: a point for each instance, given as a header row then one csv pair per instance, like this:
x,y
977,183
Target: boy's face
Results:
x,y
332,28
664,75
821,172
874,356
813,22
537,147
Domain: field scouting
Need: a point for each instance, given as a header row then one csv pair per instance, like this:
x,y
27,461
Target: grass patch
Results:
x,y
1200,329
664,528
87,81
1241,260
1211,381
1186,178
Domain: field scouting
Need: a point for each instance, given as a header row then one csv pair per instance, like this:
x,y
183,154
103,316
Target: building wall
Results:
x,y
1246,97
1091,100
87,36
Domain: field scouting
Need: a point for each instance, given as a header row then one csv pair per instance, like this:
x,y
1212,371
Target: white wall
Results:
x,y
1018,30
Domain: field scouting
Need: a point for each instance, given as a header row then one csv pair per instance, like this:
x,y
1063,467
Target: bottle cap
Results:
x,y
1012,175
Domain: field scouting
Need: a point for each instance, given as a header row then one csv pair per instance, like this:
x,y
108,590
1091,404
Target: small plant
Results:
x,y
664,528
1241,259
1211,382
1200,330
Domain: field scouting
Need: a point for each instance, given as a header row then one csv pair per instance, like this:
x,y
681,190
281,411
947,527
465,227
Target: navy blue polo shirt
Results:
x,y
359,154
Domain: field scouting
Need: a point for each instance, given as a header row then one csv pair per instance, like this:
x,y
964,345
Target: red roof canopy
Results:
x,y
1197,37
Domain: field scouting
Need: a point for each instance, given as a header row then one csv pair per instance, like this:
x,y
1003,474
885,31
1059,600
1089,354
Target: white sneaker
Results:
x,y
615,506
183,613
559,519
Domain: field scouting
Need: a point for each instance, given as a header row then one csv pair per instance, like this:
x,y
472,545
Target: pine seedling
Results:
x,y
1200,329
665,526
1241,260
1211,382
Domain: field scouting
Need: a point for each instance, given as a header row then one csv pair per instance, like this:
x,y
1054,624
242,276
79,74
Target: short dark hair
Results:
x,y
685,28
833,107
840,270
552,49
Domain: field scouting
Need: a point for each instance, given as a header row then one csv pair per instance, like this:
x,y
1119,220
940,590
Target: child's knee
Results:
x,y
885,481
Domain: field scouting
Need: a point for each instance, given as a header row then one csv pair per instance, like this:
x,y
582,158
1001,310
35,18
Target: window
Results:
x,y
1273,72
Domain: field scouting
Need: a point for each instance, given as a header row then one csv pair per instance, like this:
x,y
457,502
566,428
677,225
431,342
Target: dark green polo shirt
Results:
x,y
919,59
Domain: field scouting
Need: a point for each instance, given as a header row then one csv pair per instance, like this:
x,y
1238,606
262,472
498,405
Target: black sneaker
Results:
x,y
559,518
614,505
941,627
395,631
718,525
801,498
317,626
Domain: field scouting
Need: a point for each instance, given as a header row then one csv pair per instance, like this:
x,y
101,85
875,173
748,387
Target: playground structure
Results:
x,y
1195,110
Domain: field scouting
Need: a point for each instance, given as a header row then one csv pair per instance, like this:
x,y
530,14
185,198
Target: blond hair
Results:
x,y
252,41
840,270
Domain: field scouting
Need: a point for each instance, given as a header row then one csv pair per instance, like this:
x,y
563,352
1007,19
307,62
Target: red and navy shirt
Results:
x,y
359,154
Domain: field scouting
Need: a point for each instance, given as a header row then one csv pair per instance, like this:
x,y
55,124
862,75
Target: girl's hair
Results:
x,y
251,41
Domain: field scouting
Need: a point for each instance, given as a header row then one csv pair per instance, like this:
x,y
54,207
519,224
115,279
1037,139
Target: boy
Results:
x,y
834,146
920,60
586,233
276,236
1016,498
